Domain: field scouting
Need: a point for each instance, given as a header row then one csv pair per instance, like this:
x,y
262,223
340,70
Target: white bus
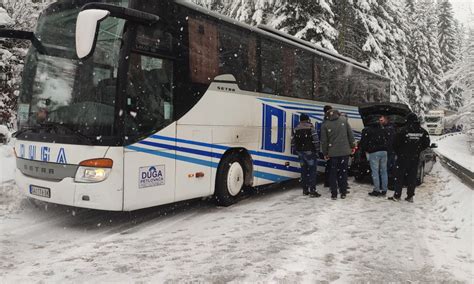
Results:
x,y
163,101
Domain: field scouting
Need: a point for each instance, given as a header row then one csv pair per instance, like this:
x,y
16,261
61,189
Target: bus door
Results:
x,y
149,175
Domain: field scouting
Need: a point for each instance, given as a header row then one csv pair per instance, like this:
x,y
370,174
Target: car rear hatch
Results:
x,y
396,112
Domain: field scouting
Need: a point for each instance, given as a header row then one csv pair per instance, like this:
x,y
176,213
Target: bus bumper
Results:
x,y
102,196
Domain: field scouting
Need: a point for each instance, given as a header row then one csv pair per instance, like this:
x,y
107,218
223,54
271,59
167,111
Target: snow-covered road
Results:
x,y
274,236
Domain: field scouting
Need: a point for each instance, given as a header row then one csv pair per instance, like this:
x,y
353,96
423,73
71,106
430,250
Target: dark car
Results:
x,y
396,112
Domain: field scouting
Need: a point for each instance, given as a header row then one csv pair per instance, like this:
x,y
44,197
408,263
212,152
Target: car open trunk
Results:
x,y
395,111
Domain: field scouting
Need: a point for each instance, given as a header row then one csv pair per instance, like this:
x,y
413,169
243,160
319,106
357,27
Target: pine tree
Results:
x,y
352,33
23,14
307,19
447,34
461,75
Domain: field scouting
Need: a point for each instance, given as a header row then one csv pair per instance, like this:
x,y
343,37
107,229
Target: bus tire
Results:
x,y
230,180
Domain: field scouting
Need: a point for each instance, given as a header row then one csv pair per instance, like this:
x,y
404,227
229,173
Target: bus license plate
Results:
x,y
40,191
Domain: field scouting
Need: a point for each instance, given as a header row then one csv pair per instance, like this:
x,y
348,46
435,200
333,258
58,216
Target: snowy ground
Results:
x,y
274,236
456,147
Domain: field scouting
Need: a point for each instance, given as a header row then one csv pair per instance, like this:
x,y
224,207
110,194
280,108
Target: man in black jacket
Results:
x,y
409,142
306,144
374,144
328,162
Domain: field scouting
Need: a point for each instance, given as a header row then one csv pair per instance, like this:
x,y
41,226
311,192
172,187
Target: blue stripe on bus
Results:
x,y
218,156
347,110
256,153
264,175
174,156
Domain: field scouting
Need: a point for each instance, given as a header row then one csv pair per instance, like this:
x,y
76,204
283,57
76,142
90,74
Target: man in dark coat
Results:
x,y
337,143
328,165
373,143
306,144
409,142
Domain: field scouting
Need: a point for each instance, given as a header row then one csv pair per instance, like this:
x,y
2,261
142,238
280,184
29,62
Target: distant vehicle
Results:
x,y
162,101
434,122
370,113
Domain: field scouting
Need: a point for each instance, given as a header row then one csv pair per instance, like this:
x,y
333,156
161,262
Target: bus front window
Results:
x,y
59,89
149,95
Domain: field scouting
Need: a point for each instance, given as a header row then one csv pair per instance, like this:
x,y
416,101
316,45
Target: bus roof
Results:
x,y
281,36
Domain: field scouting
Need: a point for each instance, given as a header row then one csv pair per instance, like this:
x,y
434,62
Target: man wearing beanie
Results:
x,y
337,143
306,144
409,142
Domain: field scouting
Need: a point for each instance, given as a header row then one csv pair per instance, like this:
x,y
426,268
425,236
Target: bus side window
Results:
x,y
237,56
272,67
203,51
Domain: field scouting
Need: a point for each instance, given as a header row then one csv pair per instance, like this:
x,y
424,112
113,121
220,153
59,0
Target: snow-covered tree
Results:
x,y
425,89
23,14
461,76
447,34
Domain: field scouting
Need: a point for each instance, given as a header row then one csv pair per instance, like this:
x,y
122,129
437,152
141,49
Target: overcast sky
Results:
x,y
462,9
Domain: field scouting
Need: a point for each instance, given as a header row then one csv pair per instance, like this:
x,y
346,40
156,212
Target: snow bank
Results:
x,y
451,238
10,197
456,147
5,20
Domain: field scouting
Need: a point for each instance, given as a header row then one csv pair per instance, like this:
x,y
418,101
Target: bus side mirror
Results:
x,y
434,146
87,30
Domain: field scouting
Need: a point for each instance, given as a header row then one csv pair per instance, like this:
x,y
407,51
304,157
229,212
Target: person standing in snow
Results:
x,y
409,142
374,144
337,143
391,156
328,166
306,144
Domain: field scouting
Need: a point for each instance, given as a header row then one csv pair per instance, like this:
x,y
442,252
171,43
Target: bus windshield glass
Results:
x,y
58,89
432,119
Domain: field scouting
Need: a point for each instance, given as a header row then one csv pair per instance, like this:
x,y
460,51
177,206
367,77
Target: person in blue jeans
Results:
x,y
391,156
305,143
374,142
337,143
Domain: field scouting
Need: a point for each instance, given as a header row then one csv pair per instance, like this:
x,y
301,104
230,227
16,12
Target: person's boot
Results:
x,y
394,198
409,199
314,194
374,193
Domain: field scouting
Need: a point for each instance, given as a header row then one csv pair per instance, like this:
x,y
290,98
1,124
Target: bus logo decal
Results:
x,y
274,125
32,152
151,176
61,157
22,150
45,154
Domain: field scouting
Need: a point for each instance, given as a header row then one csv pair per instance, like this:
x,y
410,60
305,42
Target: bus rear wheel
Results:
x,y
230,180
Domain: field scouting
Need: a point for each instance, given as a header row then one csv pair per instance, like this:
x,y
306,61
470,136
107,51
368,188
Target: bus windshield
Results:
x,y
58,88
432,119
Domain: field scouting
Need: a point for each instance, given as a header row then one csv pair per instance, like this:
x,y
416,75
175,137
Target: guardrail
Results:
x,y
466,176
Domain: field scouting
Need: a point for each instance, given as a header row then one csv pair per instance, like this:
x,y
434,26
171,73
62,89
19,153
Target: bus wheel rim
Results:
x,y
235,179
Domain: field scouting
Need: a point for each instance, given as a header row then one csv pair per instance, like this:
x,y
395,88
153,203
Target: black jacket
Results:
x,y
391,132
305,138
374,139
411,140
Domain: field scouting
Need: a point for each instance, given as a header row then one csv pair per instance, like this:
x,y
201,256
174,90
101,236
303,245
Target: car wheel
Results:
x,y
359,177
230,180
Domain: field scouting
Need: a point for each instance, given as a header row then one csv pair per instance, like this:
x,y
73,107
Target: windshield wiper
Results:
x,y
57,126
16,34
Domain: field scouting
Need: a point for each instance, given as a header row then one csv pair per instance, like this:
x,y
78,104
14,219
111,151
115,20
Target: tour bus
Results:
x,y
133,104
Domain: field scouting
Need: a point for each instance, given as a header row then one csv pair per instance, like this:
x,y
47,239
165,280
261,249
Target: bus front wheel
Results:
x,y
230,180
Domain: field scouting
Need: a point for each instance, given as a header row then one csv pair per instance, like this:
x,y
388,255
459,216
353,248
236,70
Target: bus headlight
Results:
x,y
95,170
